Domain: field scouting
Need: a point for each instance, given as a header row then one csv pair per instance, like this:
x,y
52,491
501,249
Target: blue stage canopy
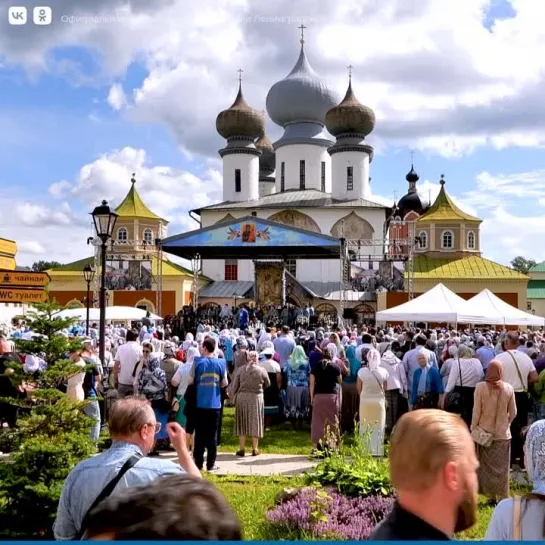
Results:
x,y
252,238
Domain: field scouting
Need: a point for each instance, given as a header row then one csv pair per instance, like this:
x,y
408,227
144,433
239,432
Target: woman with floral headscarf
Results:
x,y
493,411
297,404
152,384
522,518
371,385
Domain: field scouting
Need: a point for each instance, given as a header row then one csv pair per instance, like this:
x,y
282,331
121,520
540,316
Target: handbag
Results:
x,y
453,400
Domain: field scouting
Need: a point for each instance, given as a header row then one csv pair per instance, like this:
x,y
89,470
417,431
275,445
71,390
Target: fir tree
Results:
x,y
52,436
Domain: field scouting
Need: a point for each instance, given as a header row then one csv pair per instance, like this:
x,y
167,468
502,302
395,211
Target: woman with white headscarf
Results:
x,y
371,385
521,518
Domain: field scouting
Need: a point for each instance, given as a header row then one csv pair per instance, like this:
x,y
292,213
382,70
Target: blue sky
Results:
x,y
83,105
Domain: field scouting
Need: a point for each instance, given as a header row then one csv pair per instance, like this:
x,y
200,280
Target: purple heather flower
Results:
x,y
334,517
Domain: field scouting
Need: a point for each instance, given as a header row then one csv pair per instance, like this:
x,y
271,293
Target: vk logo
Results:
x,y
17,15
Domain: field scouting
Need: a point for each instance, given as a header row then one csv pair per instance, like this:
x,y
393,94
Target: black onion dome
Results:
x,y
240,120
350,116
412,176
410,203
267,160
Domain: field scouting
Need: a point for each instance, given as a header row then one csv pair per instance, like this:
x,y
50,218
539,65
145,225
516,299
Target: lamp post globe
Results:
x,y
104,219
89,276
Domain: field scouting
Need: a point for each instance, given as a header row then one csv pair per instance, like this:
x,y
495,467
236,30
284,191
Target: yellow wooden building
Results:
x,y
449,251
135,268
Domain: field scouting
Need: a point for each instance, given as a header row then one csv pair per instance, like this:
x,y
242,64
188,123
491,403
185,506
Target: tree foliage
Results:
x,y
52,436
40,266
522,265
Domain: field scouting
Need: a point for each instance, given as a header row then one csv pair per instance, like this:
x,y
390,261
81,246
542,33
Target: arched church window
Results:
x,y
148,236
422,239
447,240
471,240
122,235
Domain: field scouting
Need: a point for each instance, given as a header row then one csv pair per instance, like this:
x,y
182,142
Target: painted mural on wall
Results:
x,y
128,275
250,233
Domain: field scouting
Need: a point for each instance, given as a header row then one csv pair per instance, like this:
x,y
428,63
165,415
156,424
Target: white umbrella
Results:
x,y
112,314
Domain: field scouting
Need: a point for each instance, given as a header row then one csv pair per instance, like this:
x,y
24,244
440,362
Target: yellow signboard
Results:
x,y
23,278
7,263
8,295
8,247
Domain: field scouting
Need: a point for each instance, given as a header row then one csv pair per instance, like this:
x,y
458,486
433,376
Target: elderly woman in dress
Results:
x,y
493,411
325,379
372,383
247,391
521,518
297,404
427,387
465,374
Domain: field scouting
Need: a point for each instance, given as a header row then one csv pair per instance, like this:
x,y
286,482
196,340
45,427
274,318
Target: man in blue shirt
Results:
x,y
209,374
484,352
284,345
132,428
243,317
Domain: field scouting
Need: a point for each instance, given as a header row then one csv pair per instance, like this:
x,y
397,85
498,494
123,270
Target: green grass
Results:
x,y
252,497
278,439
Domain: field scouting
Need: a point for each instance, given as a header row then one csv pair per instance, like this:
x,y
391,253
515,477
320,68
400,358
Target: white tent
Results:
x,y
487,308
120,314
436,305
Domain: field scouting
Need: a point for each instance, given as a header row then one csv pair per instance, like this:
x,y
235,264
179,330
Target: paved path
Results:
x,y
264,464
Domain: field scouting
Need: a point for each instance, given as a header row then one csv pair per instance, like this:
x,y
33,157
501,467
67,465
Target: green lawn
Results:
x,y
252,497
278,439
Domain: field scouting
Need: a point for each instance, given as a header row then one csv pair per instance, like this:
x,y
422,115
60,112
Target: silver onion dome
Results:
x,y
301,97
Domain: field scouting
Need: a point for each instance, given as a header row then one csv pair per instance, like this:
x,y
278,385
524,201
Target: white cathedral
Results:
x,y
315,177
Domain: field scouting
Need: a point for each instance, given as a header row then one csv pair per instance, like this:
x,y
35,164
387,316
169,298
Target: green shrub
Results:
x,y
353,471
51,438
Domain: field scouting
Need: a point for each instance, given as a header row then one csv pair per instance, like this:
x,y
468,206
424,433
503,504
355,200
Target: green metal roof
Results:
x,y
475,267
133,206
444,209
540,267
536,289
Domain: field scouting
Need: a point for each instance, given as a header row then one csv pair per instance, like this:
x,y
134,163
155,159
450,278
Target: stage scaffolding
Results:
x,y
398,246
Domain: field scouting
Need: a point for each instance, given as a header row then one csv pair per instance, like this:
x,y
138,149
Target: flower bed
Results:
x,y
327,514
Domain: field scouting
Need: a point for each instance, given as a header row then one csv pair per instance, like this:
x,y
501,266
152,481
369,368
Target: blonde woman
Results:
x,y
249,382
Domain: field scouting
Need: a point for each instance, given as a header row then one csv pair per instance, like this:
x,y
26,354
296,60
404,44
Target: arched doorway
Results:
x,y
146,304
74,304
365,314
210,311
326,313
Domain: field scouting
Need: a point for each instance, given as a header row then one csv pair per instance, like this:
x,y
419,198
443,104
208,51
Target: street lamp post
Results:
x,y
104,219
89,275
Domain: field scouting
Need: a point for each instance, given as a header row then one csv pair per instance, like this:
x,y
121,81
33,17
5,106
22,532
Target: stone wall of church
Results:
x,y
291,157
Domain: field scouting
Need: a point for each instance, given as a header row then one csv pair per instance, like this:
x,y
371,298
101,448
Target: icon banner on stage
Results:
x,y
269,283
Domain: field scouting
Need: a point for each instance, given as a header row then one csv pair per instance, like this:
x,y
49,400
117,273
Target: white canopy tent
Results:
x,y
113,314
436,305
487,308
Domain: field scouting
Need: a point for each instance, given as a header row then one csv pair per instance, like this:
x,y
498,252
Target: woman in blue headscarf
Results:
x,y
521,518
427,389
297,403
350,397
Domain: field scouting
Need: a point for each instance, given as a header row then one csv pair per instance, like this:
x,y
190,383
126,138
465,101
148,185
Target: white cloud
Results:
x,y
116,97
34,215
440,76
30,247
59,189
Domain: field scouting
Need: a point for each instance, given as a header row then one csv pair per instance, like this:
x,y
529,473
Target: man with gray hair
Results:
x,y
518,371
133,428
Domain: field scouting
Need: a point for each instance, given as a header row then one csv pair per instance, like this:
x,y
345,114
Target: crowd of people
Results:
x,y
336,380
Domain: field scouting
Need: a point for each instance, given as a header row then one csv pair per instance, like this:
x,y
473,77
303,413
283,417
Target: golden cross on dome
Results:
x,y
350,71
240,75
302,29
412,158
